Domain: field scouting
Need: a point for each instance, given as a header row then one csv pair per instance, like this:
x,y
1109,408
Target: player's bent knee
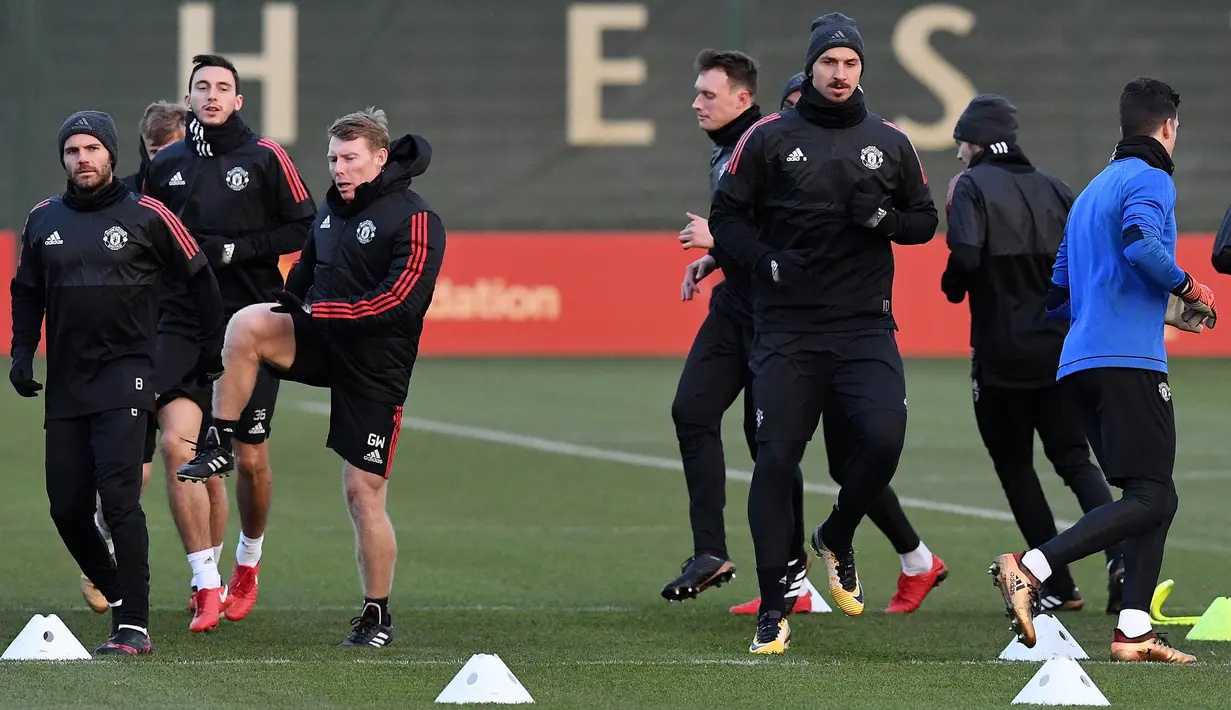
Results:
x,y
252,460
779,456
882,431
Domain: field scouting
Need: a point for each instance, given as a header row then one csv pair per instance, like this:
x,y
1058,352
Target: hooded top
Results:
x,y
368,272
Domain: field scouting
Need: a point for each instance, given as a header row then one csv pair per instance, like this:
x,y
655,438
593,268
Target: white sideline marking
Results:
x,y
789,662
589,452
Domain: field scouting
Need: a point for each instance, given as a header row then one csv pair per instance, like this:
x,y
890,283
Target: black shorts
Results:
x,y
795,374
362,431
174,357
1131,413
256,421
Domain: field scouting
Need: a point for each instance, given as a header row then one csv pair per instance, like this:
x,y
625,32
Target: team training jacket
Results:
x,y
93,270
1006,222
250,197
1117,263
368,273
781,212
735,291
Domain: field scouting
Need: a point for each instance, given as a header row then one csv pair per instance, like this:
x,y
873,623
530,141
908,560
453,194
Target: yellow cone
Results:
x,y
1215,623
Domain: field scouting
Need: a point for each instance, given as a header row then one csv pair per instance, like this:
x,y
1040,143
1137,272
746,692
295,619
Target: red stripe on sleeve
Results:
x,y
298,191
186,242
401,288
733,163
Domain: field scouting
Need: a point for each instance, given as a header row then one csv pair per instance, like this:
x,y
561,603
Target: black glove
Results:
x,y
22,376
300,312
865,204
220,251
781,268
208,368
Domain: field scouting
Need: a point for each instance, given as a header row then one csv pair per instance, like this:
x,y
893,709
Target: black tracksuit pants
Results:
x,y
715,372
1008,419
100,454
1132,417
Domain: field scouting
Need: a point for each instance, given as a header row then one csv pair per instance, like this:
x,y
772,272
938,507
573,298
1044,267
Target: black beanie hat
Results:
x,y
795,83
829,31
91,123
988,119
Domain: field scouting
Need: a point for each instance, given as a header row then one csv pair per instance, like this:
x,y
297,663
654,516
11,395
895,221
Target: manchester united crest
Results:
x,y
872,157
366,231
237,178
115,238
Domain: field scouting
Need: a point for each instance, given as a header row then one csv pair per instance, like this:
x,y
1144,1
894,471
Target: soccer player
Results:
x,y
1221,258
242,198
1006,221
811,202
161,125
1114,276
350,321
90,260
922,571
716,370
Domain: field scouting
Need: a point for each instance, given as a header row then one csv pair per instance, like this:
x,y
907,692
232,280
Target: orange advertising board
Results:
x,y
615,294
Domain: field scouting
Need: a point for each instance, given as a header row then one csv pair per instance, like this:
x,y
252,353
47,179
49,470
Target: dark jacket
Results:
x,y
92,270
781,211
369,271
1222,246
247,206
735,291
1006,222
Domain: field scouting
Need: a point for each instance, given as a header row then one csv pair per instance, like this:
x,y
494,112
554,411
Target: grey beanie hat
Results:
x,y
795,83
91,123
988,119
829,31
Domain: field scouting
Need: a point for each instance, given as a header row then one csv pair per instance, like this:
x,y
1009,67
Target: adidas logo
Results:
x,y
380,639
81,123
374,457
177,180
53,240
837,35
325,222
258,429
999,148
216,464
796,156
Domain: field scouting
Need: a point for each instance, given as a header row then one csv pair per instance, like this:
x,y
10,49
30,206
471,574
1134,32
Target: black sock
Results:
x,y
380,607
226,429
773,582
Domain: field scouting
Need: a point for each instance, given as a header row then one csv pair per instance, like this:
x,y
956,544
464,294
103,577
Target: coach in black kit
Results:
x,y
1006,222
350,321
90,260
811,203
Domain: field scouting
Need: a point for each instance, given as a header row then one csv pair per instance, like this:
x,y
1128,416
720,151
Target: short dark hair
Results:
x,y
1144,105
741,69
201,61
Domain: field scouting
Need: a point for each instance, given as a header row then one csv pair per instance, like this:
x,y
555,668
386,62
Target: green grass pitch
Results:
x,y
538,514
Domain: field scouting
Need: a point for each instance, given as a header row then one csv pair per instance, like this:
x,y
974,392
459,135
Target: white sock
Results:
x,y
917,561
1037,564
205,569
248,551
1134,623
218,554
134,628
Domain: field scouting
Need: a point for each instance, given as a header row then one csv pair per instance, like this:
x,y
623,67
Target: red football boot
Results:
x,y
913,588
243,591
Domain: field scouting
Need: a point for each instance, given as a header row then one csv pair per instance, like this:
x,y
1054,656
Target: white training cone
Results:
x,y
484,679
46,638
1053,641
1061,681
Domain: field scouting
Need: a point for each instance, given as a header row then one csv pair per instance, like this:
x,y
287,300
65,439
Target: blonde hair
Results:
x,y
162,122
369,124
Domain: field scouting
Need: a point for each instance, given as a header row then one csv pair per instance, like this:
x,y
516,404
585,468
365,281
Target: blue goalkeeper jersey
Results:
x,y
1117,261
